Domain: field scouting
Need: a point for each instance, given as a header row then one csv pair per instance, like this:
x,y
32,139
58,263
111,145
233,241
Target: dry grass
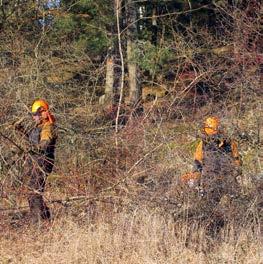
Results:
x,y
132,233
138,237
151,154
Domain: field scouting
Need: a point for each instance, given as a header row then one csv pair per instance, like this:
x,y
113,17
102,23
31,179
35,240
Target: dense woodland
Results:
x,y
130,83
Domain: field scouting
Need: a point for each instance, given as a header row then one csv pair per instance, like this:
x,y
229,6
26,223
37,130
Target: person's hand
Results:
x,y
31,149
19,127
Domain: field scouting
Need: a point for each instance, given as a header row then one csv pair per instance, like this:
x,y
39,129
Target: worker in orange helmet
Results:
x,y
216,160
215,141
40,158
216,156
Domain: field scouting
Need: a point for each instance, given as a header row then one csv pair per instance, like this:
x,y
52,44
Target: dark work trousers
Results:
x,y
38,174
219,174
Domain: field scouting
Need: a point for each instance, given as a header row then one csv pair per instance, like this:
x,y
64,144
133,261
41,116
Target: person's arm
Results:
x,y
193,178
46,136
198,157
21,129
235,153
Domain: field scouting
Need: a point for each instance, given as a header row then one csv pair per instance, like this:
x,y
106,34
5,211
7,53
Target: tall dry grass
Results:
x,y
88,159
137,237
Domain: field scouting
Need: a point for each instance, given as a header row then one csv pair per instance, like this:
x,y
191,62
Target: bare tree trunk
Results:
x,y
134,86
118,55
154,24
109,80
112,84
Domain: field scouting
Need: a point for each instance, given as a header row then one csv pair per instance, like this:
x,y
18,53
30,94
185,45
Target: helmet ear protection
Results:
x,y
50,117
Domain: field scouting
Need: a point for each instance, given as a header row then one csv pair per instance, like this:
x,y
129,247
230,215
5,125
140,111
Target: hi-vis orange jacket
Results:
x,y
43,137
217,143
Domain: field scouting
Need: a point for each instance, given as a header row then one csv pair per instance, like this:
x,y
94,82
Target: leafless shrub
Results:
x,y
132,187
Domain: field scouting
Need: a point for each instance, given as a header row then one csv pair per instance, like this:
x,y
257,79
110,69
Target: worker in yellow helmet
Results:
x,y
40,158
216,156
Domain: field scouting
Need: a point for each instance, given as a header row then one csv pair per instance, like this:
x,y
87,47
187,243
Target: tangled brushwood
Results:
x,y
130,84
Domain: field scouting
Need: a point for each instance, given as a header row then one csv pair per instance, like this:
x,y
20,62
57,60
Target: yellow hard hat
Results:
x,y
39,104
211,125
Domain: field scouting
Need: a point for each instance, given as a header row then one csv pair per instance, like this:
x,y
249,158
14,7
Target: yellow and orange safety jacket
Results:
x,y
215,144
43,140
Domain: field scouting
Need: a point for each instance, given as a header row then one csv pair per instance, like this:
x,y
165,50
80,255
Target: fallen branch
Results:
x,y
63,202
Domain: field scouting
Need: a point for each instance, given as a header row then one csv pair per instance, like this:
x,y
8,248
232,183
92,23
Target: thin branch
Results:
x,y
12,142
165,15
122,65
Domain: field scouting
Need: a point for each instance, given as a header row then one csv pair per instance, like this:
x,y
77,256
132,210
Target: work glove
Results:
x,y
31,150
19,127
34,150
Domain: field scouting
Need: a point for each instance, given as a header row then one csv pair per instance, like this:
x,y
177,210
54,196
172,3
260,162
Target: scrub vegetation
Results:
x,y
130,83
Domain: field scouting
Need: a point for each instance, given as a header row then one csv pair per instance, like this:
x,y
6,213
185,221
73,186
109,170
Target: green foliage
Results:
x,y
80,45
65,25
152,58
92,43
82,6
85,25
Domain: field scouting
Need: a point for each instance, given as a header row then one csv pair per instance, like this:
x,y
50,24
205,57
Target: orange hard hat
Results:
x,y
211,125
39,104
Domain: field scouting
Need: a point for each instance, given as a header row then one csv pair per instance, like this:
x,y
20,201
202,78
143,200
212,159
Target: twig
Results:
x,y
11,141
122,65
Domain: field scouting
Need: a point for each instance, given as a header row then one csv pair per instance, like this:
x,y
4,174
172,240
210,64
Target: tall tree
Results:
x,y
134,79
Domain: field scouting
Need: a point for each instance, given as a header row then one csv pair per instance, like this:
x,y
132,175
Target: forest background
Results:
x,y
130,83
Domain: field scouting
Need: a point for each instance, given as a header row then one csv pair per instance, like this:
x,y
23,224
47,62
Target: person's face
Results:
x,y
39,116
211,131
